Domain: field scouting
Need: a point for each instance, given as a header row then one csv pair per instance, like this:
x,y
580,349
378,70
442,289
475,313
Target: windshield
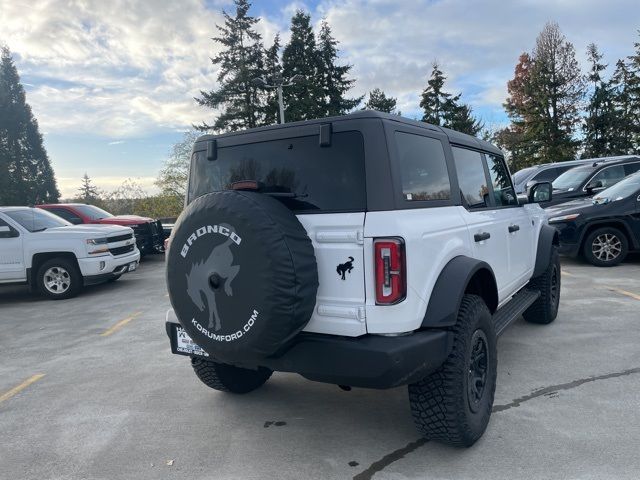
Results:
x,y
572,179
521,175
36,220
94,213
622,189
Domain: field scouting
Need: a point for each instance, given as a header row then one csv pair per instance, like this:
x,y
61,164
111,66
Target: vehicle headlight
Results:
x,y
97,241
564,218
97,245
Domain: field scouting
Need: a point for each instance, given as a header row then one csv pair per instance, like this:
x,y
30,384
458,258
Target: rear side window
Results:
x,y
547,175
631,168
503,192
304,176
423,167
471,177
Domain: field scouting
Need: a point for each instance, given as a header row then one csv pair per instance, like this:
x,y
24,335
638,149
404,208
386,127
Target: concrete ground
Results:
x,y
89,389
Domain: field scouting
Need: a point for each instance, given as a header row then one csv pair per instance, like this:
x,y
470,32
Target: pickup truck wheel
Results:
x,y
545,309
453,404
58,279
227,378
605,247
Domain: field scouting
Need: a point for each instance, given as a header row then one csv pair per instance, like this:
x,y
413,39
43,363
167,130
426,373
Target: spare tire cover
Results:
x,y
241,274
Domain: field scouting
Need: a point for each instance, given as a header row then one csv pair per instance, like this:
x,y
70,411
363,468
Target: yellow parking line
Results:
x,y
17,389
564,272
119,325
624,292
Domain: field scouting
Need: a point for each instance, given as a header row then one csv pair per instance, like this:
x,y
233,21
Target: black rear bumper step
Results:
x,y
514,308
370,361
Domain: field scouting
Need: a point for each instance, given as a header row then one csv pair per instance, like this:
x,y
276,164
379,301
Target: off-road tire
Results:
x,y
75,278
440,403
227,378
620,239
545,309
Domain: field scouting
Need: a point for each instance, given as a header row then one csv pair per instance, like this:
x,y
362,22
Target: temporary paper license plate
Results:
x,y
184,345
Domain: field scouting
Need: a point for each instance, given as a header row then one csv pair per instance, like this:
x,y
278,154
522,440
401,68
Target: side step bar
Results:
x,y
514,308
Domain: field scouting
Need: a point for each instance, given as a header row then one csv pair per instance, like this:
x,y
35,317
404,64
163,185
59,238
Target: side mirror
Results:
x,y
75,220
523,199
8,232
593,185
540,192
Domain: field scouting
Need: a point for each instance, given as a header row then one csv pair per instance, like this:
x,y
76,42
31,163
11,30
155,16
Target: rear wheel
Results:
x,y
545,309
228,378
605,247
59,278
453,404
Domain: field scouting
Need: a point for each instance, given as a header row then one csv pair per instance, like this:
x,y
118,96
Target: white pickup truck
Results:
x,y
57,258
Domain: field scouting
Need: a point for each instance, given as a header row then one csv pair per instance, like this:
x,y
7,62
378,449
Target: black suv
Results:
x,y
604,229
589,179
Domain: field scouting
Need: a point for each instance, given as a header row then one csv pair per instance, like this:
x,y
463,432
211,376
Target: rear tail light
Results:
x,y
391,270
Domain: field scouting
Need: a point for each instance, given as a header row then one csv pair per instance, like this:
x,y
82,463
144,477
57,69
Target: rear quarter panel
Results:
x,y
432,236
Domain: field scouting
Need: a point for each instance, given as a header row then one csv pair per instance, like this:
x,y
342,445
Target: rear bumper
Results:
x,y
370,361
150,237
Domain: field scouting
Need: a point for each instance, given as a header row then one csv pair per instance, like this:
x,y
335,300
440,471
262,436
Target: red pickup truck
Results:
x,y
149,232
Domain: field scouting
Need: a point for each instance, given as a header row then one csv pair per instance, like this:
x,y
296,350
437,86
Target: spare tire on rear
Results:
x,y
241,274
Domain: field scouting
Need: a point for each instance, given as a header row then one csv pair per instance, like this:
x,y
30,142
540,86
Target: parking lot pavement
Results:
x,y
89,389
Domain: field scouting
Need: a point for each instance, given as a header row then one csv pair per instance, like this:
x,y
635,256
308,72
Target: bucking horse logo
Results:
x,y
219,265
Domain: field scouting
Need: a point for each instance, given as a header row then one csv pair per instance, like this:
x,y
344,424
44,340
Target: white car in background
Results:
x,y
57,258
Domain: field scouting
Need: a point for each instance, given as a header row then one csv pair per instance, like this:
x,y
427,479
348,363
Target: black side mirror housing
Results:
x,y
540,192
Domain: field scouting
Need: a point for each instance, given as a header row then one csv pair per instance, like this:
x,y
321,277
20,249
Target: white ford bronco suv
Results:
x,y
57,258
365,251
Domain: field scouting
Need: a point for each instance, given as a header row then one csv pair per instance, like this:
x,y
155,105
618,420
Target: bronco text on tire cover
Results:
x,y
241,274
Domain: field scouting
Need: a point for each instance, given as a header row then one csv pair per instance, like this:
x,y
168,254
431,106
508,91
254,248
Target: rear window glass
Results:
x,y
306,176
423,168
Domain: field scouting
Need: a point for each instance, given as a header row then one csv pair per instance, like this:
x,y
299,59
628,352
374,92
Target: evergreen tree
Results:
x,y
88,192
380,102
305,99
599,120
240,62
444,109
333,77
544,102
634,95
622,126
273,74
26,176
434,98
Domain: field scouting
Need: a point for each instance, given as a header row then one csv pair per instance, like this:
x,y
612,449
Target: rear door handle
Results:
x,y
514,228
479,237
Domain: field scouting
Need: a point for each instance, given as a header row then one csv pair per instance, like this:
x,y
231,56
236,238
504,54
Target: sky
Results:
x,y
112,83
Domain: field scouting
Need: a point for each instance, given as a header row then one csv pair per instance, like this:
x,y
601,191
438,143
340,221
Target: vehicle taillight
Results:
x,y
391,270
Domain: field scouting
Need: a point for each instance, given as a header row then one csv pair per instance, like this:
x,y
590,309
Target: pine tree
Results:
x,y
26,176
634,94
380,102
305,99
434,98
240,62
333,77
273,74
89,193
622,122
598,122
444,109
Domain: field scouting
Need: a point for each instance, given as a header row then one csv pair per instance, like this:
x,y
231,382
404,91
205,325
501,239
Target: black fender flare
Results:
x,y
547,238
451,285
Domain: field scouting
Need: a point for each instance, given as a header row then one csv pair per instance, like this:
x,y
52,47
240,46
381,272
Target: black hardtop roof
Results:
x,y
454,136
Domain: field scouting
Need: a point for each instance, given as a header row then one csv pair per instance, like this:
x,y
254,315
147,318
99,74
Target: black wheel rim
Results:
x,y
554,287
478,369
